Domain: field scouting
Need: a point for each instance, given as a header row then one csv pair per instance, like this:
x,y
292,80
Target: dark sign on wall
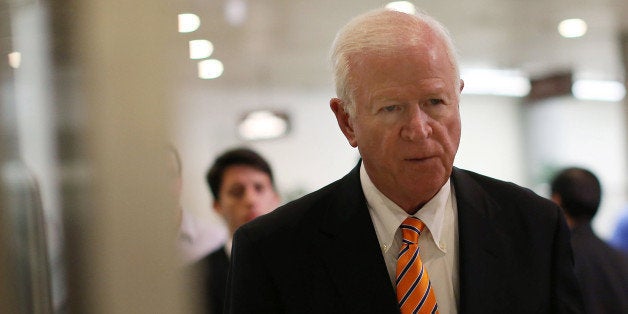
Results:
x,y
552,85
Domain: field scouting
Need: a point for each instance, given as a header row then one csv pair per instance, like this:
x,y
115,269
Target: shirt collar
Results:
x,y
390,215
228,245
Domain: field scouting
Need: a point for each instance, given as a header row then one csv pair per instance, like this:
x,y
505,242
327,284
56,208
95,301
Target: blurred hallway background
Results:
x,y
91,90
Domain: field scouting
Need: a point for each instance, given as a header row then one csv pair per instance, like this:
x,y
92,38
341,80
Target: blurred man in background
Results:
x,y
242,185
601,270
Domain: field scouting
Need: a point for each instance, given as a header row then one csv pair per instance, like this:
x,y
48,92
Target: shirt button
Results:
x,y
442,246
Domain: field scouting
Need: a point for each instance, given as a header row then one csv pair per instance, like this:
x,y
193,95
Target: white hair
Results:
x,y
381,31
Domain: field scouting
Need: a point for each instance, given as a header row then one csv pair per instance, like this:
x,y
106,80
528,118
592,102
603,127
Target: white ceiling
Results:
x,y
284,43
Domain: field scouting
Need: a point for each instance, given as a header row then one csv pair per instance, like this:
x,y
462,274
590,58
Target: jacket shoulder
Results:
x,y
517,202
306,212
498,189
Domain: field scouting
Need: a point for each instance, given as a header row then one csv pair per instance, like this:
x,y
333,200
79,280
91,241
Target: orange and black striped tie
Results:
x,y
414,290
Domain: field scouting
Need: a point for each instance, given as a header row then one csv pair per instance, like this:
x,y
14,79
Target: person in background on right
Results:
x,y
620,235
601,270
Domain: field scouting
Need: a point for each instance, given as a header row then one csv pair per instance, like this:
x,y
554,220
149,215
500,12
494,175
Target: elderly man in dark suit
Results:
x,y
404,231
601,270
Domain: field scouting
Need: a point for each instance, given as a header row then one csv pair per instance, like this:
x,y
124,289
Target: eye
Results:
x,y
259,188
236,191
391,108
435,101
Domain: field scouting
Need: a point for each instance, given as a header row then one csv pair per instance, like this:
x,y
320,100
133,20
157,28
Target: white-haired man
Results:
x,y
404,231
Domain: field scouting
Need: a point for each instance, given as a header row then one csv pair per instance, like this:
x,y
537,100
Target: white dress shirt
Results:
x,y
197,238
438,242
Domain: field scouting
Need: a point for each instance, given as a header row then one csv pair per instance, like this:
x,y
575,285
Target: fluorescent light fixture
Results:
x,y
572,28
402,6
200,49
263,125
210,69
495,82
188,22
598,90
15,59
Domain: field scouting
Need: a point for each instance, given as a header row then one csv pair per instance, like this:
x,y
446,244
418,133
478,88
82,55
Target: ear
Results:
x,y
344,121
217,207
461,85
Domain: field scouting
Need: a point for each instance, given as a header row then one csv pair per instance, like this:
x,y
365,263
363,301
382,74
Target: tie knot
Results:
x,y
411,229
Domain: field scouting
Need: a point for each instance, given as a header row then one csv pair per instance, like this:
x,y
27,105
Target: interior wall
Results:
x,y
492,137
316,153
564,132
501,137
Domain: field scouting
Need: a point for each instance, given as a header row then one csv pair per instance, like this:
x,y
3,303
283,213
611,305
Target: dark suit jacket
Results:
x,y
214,268
320,254
601,271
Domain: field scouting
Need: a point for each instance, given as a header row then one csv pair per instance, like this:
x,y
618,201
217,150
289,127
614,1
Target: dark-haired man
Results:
x,y
242,185
601,270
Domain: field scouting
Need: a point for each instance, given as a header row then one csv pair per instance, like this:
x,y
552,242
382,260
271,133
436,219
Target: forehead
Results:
x,y
404,66
422,72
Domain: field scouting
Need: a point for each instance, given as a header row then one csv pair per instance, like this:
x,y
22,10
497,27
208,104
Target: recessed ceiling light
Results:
x,y
200,49
15,59
572,28
263,125
210,69
235,12
402,6
188,22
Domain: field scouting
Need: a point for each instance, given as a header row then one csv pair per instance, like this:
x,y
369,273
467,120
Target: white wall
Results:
x,y
501,137
492,137
316,153
565,132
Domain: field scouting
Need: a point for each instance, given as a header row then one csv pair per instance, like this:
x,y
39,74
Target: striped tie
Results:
x,y
414,290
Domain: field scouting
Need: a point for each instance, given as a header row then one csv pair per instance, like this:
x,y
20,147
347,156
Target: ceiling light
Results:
x,y
210,69
263,125
200,49
572,28
188,22
15,59
495,82
402,6
598,90
235,12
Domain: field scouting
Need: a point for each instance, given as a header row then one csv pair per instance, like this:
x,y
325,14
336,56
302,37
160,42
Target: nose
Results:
x,y
253,203
250,197
416,126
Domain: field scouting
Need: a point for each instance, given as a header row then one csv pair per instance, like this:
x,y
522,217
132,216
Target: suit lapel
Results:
x,y
483,253
348,245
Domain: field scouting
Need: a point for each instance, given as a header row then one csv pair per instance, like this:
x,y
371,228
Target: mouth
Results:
x,y
419,159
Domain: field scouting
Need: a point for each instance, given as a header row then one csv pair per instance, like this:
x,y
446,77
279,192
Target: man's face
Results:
x,y
245,193
407,122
